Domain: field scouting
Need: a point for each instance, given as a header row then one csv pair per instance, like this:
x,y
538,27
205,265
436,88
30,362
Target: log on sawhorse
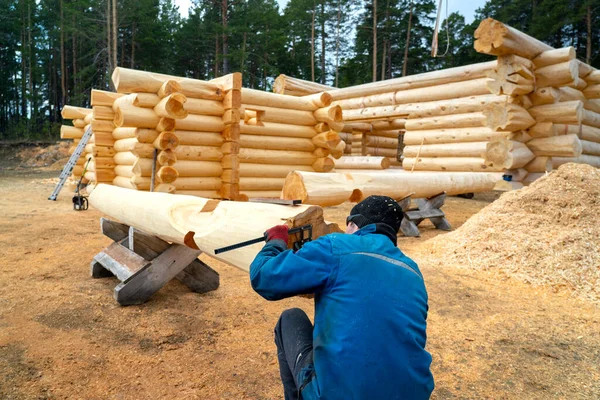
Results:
x,y
144,264
429,208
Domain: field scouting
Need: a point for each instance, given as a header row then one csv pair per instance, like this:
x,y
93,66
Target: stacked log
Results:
x,y
77,116
280,134
567,118
181,124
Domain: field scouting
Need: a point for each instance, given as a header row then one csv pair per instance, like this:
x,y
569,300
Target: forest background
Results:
x,y
53,52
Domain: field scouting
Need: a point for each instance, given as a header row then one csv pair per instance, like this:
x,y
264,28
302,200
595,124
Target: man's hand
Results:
x,y
277,232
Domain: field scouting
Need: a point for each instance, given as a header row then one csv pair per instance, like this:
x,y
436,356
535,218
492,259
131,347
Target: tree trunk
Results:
x,y
312,45
63,85
374,40
383,59
133,45
243,52
224,39
30,51
216,70
74,41
588,52
114,29
405,62
323,73
337,43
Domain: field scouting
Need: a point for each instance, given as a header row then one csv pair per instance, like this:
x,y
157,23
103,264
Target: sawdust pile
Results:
x,y
54,156
545,234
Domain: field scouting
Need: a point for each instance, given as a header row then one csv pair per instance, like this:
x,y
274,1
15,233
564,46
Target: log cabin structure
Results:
x,y
513,118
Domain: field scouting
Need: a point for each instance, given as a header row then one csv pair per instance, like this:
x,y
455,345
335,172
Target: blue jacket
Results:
x,y
370,313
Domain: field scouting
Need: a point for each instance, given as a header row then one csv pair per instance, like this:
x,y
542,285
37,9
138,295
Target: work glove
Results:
x,y
277,232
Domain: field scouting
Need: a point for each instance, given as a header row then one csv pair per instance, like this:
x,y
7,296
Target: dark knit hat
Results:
x,y
376,209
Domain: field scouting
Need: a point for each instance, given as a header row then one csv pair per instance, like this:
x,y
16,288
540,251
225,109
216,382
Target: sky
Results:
x,y
465,7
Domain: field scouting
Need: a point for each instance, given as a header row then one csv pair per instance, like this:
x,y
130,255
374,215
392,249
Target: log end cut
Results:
x,y
293,188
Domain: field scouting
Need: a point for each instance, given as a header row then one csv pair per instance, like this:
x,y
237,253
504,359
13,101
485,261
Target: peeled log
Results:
x,y
146,100
123,182
279,130
468,164
70,132
592,91
260,156
339,150
102,112
104,98
447,121
255,183
556,146
495,38
307,103
172,106
198,153
474,87
70,112
361,162
333,188
276,143
570,112
297,87
377,141
136,117
557,74
199,138
594,161
554,56
545,95
471,149
378,151
279,115
202,223
329,114
167,174
540,164
204,107
323,164
133,81
508,117
202,123
398,123
328,140
270,170
507,154
590,148
126,158
124,133
458,135
165,141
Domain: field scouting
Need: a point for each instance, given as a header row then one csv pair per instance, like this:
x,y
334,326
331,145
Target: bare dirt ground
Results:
x,y
62,336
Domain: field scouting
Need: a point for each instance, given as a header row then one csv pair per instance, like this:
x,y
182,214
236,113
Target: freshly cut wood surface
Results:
x,y
460,149
103,112
476,119
495,38
278,115
172,106
198,153
146,100
467,164
297,87
335,188
104,98
508,117
570,112
508,154
362,162
123,182
126,158
260,156
136,117
557,74
539,164
204,107
201,223
125,133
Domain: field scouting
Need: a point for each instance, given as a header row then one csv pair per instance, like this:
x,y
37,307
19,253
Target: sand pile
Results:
x,y
545,234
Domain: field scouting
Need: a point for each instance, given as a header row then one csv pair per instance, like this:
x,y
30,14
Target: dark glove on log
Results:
x,y
277,232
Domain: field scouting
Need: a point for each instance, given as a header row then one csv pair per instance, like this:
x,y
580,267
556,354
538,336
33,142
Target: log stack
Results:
x,y
77,115
280,134
562,103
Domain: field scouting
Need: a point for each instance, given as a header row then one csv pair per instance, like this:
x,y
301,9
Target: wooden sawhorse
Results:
x,y
144,264
429,208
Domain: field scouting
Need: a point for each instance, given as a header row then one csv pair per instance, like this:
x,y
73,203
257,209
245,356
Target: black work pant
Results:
x,y
294,340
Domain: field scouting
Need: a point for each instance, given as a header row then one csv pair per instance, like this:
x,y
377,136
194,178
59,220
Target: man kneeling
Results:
x,y
368,341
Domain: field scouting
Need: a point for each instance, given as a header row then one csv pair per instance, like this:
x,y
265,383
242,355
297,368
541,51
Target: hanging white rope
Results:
x,y
434,43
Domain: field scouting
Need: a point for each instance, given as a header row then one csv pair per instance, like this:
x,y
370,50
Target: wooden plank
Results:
x,y
198,276
148,281
114,230
414,215
121,261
